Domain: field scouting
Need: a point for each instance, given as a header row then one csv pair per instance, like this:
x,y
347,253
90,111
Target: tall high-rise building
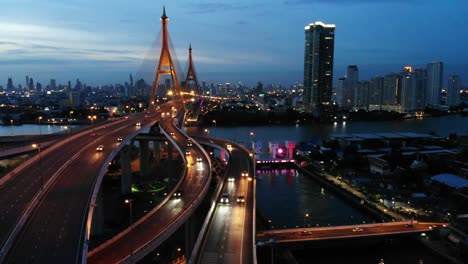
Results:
x,y
27,82
391,89
453,90
361,95
434,83
340,92
318,66
352,77
53,84
31,84
375,93
419,85
407,92
10,86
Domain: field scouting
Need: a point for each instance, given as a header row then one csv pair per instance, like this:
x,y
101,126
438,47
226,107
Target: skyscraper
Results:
x,y
453,90
407,92
419,83
340,92
352,77
434,83
318,66
10,86
53,84
375,93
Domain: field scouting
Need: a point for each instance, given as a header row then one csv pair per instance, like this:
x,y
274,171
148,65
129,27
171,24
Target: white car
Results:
x,y
230,179
225,198
245,174
199,159
240,199
100,148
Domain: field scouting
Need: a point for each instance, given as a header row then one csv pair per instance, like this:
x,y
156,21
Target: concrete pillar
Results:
x,y
156,152
126,170
273,148
97,227
144,158
290,145
190,236
170,150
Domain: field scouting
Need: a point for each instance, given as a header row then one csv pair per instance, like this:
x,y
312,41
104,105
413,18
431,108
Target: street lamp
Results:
x,y
306,215
40,130
130,202
38,146
207,131
70,114
214,122
11,123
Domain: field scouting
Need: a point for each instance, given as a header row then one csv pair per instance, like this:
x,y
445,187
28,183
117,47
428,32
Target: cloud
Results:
x,y
214,7
241,22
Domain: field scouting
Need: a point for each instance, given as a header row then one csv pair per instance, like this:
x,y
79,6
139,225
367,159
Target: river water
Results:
x,y
289,199
32,130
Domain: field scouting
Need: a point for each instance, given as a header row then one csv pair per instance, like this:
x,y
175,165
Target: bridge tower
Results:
x,y
166,65
192,75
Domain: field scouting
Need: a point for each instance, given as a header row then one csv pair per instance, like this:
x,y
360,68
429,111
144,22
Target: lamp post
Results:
x,y
214,122
40,130
306,215
11,124
70,115
38,146
130,202
207,131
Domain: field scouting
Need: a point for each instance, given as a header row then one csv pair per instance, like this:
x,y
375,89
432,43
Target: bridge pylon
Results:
x,y
192,75
166,64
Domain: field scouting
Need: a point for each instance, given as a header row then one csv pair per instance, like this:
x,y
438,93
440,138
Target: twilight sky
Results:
x,y
104,41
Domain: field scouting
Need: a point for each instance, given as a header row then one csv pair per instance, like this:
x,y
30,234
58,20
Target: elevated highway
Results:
x,y
150,231
297,235
229,236
48,199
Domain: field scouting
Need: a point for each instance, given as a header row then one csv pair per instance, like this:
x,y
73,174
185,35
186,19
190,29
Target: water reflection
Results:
x,y
284,195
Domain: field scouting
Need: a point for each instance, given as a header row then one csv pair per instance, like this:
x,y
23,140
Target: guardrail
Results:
x,y
94,193
194,257
37,198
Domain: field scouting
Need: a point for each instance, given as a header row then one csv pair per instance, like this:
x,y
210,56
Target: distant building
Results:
x,y
453,90
10,86
340,97
318,66
434,83
74,99
375,92
407,92
352,77
361,95
391,89
53,84
419,85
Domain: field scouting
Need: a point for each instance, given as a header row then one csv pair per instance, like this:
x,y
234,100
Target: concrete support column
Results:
x,y
290,145
126,170
273,149
190,236
156,152
144,158
97,227
170,150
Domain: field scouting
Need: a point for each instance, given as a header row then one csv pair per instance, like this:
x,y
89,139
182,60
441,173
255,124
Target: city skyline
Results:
x,y
102,44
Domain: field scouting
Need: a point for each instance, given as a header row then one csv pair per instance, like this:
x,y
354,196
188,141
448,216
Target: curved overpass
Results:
x,y
47,226
148,233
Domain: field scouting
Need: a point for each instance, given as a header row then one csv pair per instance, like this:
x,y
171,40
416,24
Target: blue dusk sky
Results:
x,y
103,41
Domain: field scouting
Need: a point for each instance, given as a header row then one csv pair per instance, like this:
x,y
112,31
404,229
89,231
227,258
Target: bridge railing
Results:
x,y
94,194
195,256
182,218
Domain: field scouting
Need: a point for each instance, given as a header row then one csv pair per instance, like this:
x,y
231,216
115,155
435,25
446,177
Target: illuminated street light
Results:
x,y
38,146
40,130
130,202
